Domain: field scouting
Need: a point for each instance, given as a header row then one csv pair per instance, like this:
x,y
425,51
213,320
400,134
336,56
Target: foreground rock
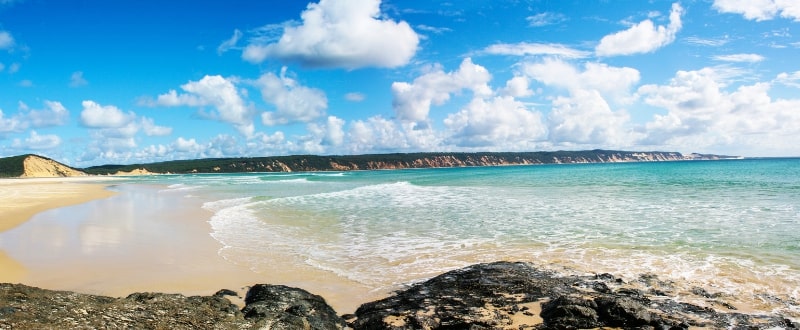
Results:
x,y
507,295
268,307
500,295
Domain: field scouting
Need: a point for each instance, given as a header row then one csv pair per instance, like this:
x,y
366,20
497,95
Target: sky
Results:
x,y
91,82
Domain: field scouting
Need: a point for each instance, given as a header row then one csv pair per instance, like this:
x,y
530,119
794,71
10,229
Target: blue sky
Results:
x,y
91,82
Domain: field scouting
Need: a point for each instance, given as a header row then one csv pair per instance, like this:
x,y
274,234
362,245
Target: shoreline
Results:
x,y
23,198
26,197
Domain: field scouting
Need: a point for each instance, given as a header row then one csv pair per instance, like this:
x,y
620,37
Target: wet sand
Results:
x,y
146,238
23,198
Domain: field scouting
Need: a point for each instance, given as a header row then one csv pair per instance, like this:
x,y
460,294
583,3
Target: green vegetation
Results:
x,y
11,167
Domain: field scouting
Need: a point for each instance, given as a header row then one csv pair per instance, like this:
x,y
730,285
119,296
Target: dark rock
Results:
x,y
282,307
569,312
225,292
623,312
474,297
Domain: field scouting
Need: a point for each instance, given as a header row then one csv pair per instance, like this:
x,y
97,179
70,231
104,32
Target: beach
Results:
x,y
108,238
23,198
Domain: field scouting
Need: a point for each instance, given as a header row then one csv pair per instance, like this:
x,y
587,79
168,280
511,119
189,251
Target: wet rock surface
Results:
x,y
501,295
506,295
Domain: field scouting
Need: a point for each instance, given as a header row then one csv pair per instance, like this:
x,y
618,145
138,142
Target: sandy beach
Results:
x,y
22,198
79,236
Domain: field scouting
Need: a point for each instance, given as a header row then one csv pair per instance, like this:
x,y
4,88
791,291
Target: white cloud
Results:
x,y
341,33
499,122
95,115
323,137
216,91
6,40
37,142
378,134
189,146
526,49
703,115
55,114
543,19
151,129
760,10
586,118
789,79
751,58
611,81
644,37
355,97
11,124
708,42
77,80
518,86
293,102
230,43
412,101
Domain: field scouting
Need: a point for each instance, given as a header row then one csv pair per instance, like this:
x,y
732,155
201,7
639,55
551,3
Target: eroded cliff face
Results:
x,y
305,163
465,160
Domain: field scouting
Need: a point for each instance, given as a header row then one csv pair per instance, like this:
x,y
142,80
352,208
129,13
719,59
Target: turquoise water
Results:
x,y
731,227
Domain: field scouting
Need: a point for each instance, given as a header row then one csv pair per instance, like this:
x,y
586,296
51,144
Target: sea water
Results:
x,y
731,228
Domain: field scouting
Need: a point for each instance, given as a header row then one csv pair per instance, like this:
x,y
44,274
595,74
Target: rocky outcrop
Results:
x,y
501,295
506,295
268,307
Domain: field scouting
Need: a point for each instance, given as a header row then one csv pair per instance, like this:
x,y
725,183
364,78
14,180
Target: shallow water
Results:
x,y
731,227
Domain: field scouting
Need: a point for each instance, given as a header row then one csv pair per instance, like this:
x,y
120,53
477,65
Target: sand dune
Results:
x,y
39,167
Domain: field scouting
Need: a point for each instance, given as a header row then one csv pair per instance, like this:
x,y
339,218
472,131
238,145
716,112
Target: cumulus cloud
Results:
x,y
218,92
54,114
349,34
293,102
760,10
151,129
499,122
701,113
412,101
749,58
614,82
95,115
77,80
643,37
526,49
586,118
9,124
37,142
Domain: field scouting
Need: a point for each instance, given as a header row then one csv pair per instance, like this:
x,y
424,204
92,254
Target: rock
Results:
x,y
480,296
282,307
489,296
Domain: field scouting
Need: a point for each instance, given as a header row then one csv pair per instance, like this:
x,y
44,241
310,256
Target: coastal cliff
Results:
x,y
305,163
500,295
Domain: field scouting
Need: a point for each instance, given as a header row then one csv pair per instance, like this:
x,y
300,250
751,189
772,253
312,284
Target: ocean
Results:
x,y
729,227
